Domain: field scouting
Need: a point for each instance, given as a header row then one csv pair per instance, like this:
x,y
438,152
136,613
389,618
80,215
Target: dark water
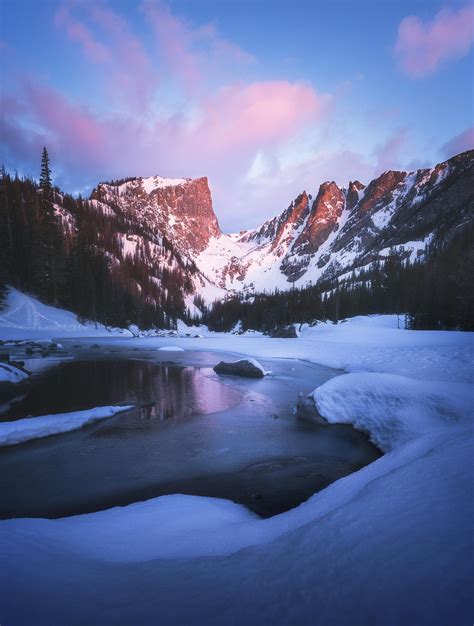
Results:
x,y
197,434
165,391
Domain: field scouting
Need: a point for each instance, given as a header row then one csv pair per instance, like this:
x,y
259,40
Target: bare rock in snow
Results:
x,y
248,368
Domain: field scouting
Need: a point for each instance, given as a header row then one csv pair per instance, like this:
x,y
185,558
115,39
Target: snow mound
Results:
x,y
19,431
164,527
10,374
171,349
393,409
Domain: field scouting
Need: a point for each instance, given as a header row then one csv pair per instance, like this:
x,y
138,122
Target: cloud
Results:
x,y
388,154
77,31
259,114
107,41
460,143
421,47
193,55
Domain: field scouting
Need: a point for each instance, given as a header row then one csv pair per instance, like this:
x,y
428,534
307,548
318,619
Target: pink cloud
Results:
x,y
460,143
78,32
193,55
107,40
387,154
422,46
133,69
243,116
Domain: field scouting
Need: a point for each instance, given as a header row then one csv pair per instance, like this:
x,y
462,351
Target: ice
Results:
x,y
11,374
22,430
171,349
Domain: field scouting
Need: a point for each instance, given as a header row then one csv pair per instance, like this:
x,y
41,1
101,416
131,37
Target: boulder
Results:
x,y
248,368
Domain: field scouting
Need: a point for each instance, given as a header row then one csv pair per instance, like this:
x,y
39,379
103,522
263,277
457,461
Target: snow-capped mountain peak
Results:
x,y
337,231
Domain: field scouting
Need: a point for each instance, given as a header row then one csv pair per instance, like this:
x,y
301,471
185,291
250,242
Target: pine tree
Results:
x,y
52,253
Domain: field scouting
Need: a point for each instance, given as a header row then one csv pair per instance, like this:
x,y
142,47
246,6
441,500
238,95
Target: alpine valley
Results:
x,y
158,240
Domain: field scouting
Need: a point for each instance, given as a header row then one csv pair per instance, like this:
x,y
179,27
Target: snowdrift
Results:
x,y
393,409
19,431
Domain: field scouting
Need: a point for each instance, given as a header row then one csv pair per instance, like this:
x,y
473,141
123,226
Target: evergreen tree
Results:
x,y
50,260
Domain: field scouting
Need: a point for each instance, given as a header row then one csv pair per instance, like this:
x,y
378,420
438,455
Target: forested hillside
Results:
x,y
96,263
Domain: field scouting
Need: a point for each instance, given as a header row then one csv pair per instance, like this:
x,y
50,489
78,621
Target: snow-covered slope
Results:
x,y
25,317
390,544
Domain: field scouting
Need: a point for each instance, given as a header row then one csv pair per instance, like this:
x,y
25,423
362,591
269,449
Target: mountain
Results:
x,y
345,228
178,209
149,250
336,231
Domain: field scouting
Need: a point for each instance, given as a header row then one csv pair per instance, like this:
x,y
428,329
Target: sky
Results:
x,y
266,98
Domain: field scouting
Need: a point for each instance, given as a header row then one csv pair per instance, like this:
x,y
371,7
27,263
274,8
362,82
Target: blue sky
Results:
x,y
265,98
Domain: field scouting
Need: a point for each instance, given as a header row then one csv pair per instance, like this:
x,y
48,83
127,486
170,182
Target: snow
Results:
x,y
10,374
171,349
256,364
19,431
157,182
25,317
393,409
389,544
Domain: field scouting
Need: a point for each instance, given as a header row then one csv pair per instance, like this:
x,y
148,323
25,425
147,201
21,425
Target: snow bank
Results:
x,y
19,431
10,374
25,317
393,409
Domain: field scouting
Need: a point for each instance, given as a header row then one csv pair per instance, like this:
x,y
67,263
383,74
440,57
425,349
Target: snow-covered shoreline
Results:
x,y
389,544
11,374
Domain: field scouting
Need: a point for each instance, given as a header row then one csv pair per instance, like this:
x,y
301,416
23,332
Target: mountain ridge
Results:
x,y
339,229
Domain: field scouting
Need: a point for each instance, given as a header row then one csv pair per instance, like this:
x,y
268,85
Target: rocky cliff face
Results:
x,y
341,229
180,209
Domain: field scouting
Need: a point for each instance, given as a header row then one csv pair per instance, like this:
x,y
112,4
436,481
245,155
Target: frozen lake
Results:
x,y
194,433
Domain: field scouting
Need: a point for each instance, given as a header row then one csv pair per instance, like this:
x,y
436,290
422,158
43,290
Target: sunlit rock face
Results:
x,y
180,209
325,214
354,193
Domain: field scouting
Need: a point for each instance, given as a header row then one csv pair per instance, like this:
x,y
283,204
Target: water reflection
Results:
x,y
161,391
241,453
